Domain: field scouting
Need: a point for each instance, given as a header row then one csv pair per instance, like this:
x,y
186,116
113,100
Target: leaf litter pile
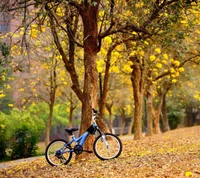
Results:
x,y
172,154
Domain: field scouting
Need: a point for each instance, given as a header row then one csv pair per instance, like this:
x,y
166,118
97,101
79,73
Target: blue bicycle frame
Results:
x,y
81,140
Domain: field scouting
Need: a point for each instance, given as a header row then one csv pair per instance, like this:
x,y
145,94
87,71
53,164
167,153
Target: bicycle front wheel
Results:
x,y
57,153
107,146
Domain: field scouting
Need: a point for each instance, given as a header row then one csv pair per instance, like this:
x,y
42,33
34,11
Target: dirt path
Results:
x,y
18,161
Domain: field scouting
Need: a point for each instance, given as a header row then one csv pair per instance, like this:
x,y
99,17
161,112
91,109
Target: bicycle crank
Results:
x,y
78,149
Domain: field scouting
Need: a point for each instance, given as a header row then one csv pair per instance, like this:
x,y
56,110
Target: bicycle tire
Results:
x,y
113,149
54,160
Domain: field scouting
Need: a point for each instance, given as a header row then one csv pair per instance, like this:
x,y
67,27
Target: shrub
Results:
x,y
3,141
24,143
25,130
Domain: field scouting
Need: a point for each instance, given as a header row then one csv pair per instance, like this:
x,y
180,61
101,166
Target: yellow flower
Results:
x,y
107,40
188,174
172,70
158,65
2,126
165,56
152,58
8,87
10,105
174,81
164,61
158,50
176,63
2,95
181,69
133,53
141,53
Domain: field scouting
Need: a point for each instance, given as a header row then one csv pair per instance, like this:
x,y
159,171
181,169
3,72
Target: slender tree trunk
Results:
x,y
131,126
123,120
137,79
109,108
157,116
150,111
164,114
48,125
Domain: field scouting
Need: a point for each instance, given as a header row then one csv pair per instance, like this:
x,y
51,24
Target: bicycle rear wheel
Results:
x,y
57,153
108,148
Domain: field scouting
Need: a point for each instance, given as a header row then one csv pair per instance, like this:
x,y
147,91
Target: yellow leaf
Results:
x,y
174,81
158,65
165,56
181,69
152,58
107,40
158,50
188,174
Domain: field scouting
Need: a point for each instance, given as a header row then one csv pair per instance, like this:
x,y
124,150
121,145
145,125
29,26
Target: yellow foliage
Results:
x,y
133,53
107,40
181,69
140,4
127,68
188,174
2,126
21,89
152,58
2,95
174,80
165,56
101,13
141,53
176,63
8,87
158,50
172,70
115,69
10,105
59,12
158,65
164,61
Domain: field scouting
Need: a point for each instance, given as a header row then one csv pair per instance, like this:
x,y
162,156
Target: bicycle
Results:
x,y
106,145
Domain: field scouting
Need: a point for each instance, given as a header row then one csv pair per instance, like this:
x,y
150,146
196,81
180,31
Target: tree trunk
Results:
x,y
123,120
157,122
109,108
131,126
150,111
137,79
89,18
48,125
164,114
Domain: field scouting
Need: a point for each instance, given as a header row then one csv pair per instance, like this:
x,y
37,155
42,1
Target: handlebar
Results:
x,y
95,113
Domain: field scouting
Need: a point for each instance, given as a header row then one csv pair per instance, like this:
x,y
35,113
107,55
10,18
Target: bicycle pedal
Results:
x,y
90,151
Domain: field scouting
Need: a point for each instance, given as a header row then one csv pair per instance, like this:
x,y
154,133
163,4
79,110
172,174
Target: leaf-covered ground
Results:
x,y
172,154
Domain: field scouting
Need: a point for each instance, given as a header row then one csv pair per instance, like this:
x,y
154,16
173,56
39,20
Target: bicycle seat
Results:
x,y
70,130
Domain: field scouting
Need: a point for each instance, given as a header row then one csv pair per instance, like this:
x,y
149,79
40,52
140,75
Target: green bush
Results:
x,y
25,131
24,143
175,118
3,141
3,136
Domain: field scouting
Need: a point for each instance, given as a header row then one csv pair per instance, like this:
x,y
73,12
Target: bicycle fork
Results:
x,y
103,139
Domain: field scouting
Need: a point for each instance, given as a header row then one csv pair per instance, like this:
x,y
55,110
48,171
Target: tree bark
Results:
x,y
48,125
131,126
89,17
164,115
123,120
150,111
137,79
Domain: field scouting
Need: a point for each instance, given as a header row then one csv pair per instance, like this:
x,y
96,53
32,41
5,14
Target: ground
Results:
x,y
173,154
